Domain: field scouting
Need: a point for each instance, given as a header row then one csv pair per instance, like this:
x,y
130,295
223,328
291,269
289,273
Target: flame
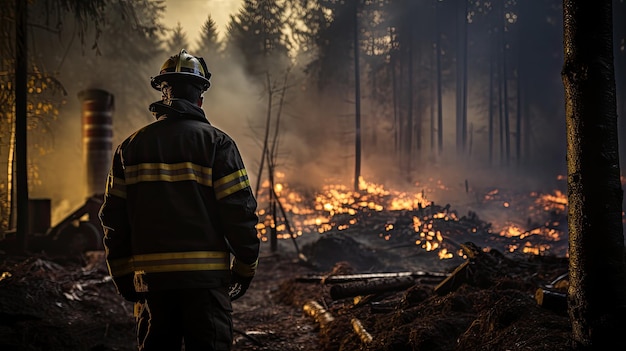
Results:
x,y
558,201
435,229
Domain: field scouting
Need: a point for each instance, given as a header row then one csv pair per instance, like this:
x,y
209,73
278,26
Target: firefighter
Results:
x,y
179,219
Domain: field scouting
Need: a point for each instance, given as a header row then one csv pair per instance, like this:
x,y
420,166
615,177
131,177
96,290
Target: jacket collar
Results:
x,y
177,108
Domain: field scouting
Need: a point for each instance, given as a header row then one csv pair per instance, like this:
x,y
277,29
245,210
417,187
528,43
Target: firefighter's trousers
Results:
x,y
199,319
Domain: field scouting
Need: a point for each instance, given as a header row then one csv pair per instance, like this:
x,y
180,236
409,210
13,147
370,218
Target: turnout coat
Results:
x,y
178,205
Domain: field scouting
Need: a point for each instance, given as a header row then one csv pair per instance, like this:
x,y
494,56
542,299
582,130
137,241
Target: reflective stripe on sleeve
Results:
x,y
116,187
231,183
170,262
165,172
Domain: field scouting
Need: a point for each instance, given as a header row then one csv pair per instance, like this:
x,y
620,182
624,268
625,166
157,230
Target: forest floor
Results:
x,y
484,299
60,303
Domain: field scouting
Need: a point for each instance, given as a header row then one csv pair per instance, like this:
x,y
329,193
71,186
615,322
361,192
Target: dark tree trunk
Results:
x,y
432,93
21,97
357,101
619,30
439,82
409,108
394,91
518,118
461,81
597,293
505,87
492,65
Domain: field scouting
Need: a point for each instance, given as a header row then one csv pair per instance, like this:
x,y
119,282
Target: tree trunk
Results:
x,y
619,8
491,100
505,91
394,94
357,101
374,286
266,137
461,79
597,292
21,97
439,82
409,108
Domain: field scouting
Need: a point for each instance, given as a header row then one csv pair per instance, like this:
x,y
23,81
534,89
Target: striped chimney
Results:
x,y
97,126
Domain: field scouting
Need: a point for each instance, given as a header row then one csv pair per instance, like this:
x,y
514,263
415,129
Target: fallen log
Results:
x,y
373,286
345,278
384,306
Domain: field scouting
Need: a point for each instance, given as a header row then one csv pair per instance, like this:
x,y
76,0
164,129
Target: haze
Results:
x,y
193,13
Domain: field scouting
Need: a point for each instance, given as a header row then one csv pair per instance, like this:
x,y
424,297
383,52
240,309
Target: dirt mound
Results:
x,y
54,303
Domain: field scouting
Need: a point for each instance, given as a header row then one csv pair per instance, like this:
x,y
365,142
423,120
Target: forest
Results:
x,y
458,94
395,91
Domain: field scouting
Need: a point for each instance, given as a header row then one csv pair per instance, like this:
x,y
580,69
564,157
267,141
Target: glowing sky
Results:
x,y
193,13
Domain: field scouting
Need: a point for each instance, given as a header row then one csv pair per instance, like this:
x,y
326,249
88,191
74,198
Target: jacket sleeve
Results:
x,y
114,219
237,208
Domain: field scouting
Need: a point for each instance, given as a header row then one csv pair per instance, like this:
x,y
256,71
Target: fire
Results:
x,y
410,214
556,201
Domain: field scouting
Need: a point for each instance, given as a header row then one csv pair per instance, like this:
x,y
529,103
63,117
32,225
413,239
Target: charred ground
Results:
x,y
482,300
54,303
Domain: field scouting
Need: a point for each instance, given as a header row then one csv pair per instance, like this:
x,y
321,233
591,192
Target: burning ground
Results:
x,y
462,283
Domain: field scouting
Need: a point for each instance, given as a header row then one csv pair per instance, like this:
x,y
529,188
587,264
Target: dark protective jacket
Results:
x,y
177,204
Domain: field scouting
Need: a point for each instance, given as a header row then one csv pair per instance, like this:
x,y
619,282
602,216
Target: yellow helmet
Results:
x,y
183,66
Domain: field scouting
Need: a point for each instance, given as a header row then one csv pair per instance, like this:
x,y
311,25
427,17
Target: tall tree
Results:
x,y
357,98
256,35
257,32
61,60
597,272
110,67
177,40
461,76
619,8
209,46
439,79
21,156
15,85
334,44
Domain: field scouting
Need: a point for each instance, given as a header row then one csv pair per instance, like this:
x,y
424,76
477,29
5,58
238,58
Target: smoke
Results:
x,y
191,15
316,141
62,172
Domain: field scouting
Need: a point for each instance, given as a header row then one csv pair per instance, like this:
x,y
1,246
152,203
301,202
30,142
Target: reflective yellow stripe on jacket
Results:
x,y
153,172
116,186
175,172
231,183
171,261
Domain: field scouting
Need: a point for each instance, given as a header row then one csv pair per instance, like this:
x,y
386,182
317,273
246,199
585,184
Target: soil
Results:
x,y
55,302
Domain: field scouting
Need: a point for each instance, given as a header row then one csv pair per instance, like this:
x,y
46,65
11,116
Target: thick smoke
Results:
x,y
316,138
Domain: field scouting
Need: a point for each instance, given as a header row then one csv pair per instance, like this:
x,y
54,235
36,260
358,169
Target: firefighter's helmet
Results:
x,y
183,66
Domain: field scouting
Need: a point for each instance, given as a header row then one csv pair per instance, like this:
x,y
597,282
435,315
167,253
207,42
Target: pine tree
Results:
x,y
178,40
257,33
209,46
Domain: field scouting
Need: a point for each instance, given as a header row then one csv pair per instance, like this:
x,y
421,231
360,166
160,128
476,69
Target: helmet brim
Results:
x,y
191,78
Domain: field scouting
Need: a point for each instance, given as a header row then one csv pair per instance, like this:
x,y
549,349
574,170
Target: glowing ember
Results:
x,y
407,215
